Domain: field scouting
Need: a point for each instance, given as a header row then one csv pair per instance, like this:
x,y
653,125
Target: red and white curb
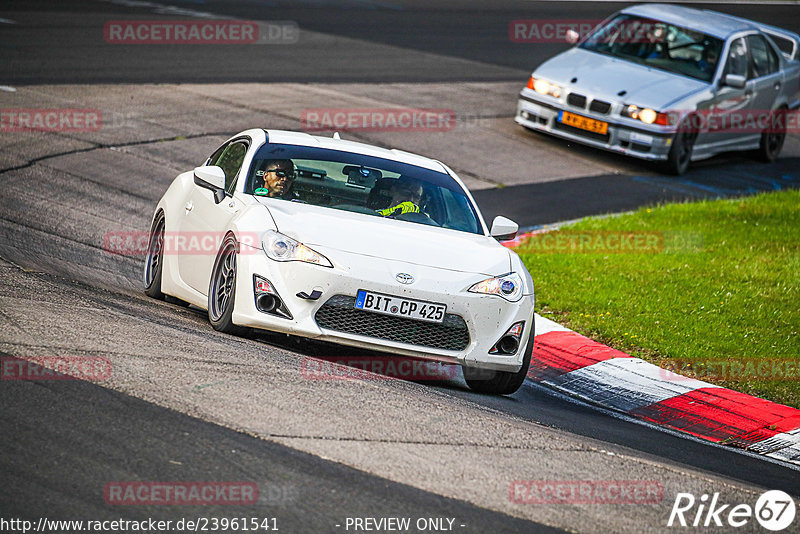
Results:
x,y
583,368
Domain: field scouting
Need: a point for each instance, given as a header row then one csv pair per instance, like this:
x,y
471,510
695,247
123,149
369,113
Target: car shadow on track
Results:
x,y
329,361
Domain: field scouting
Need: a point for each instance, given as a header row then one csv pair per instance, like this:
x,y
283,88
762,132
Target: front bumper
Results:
x,y
486,318
647,142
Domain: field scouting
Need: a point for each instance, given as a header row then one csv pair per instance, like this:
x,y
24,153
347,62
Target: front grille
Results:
x,y
574,99
339,313
598,106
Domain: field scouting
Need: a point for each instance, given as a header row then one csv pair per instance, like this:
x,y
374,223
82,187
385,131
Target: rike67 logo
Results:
x,y
774,510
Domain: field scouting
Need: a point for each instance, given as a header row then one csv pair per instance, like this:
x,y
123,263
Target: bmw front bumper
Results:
x,y
645,142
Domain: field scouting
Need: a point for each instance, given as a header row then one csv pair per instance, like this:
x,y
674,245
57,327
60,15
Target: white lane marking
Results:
x,y
8,21
790,449
544,325
8,89
626,383
785,446
566,397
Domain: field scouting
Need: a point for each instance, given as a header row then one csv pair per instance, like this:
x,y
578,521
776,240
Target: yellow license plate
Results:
x,y
584,123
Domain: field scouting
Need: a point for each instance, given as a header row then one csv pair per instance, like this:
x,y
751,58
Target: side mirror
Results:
x,y
213,178
572,36
504,229
734,80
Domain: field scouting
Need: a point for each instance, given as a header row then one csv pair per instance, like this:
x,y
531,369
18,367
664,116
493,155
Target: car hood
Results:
x,y
604,77
327,228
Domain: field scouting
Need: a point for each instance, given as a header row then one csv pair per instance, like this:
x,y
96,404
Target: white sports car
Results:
x,y
349,243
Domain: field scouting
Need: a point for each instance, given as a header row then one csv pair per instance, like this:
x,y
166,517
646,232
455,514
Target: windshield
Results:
x,y
658,45
361,184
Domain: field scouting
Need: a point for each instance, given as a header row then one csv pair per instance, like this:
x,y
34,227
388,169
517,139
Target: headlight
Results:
x,y
279,247
544,87
508,286
646,115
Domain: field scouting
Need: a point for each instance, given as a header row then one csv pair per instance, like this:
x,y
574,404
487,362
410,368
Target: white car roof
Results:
x,y
286,137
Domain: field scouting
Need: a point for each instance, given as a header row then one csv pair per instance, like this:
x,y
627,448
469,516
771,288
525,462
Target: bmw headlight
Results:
x,y
279,247
646,115
509,286
544,87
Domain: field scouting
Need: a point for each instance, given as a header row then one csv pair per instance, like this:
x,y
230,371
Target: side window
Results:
x,y
458,208
231,161
212,160
765,61
737,62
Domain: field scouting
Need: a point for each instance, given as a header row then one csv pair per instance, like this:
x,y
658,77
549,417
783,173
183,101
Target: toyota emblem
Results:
x,y
404,278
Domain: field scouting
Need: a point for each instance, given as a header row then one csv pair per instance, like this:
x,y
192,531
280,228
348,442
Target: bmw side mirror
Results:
x,y
504,229
735,80
213,178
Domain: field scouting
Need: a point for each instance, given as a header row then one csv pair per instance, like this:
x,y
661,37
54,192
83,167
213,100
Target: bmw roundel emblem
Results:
x,y
404,278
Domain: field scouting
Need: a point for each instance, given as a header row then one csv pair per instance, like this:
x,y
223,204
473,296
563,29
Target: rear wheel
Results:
x,y
153,263
772,141
499,382
222,288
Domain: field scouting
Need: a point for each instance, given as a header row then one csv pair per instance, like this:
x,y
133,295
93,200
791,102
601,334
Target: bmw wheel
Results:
x,y
772,141
680,153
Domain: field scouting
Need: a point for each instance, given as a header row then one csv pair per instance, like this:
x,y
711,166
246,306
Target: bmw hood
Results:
x,y
604,77
328,229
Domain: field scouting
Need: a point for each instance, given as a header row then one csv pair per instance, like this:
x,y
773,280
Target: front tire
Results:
x,y
222,288
680,153
499,382
154,262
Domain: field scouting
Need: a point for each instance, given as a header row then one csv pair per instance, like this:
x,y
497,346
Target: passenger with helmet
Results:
x,y
405,196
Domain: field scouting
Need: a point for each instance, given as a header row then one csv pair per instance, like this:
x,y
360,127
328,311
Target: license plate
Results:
x,y
584,123
400,307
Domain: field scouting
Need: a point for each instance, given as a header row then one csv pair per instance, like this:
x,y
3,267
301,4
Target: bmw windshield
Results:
x,y
658,45
361,184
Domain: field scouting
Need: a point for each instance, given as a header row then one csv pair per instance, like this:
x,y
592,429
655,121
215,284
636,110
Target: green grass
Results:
x,y
724,287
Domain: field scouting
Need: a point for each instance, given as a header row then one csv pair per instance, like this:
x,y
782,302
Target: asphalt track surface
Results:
x,y
183,398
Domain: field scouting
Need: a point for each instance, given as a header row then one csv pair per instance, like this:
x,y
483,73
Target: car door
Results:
x,y
204,221
729,105
766,74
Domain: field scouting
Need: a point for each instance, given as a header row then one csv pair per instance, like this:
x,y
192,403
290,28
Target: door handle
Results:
x,y
189,206
777,86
